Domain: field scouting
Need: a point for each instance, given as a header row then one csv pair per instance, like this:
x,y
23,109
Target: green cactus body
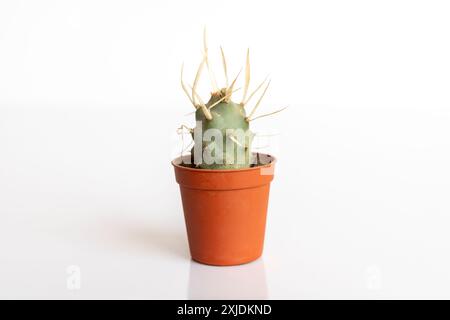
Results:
x,y
222,136
228,119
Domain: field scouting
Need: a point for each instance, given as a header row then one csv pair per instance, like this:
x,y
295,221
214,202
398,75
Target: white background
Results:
x,y
90,102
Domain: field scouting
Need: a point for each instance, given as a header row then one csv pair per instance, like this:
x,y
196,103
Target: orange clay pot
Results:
x,y
225,211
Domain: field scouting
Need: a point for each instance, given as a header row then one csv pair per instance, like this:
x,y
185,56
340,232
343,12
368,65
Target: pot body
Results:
x,y
225,211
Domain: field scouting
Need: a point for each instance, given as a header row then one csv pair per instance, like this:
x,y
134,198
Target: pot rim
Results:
x,y
175,162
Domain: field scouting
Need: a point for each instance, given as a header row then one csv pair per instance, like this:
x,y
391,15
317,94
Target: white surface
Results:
x,y
89,103
361,213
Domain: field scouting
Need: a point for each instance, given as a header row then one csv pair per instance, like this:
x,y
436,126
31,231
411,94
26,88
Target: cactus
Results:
x,y
222,136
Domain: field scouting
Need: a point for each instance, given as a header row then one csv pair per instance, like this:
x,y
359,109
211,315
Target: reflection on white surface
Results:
x,y
247,281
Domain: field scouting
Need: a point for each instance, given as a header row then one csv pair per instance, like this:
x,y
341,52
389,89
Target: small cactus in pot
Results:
x,y
224,186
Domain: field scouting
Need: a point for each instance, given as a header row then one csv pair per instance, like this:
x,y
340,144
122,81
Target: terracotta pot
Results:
x,y
225,211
